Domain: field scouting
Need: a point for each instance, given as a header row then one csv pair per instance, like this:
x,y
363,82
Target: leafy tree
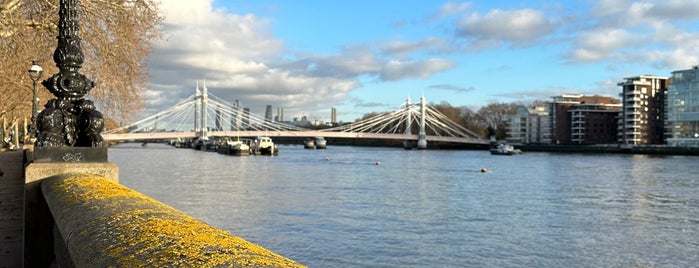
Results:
x,y
117,37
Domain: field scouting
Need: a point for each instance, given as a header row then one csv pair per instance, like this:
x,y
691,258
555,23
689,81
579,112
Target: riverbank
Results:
x,y
431,145
611,149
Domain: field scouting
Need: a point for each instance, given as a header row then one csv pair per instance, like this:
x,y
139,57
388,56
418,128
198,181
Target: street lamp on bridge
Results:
x,y
35,74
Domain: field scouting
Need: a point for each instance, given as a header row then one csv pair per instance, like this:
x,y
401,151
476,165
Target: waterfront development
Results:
x,y
337,208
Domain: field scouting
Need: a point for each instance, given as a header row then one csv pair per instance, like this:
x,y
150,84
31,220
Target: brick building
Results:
x,y
594,123
597,108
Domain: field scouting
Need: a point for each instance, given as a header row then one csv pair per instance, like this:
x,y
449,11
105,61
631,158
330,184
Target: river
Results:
x,y
388,207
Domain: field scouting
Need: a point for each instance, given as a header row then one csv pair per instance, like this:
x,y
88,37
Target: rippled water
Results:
x,y
435,208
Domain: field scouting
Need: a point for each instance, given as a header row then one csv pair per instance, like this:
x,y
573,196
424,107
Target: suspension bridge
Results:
x,y
414,123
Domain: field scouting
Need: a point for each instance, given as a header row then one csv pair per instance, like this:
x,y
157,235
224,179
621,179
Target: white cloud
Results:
x,y
600,44
667,9
236,55
448,9
401,48
679,58
395,70
240,58
454,88
517,27
648,31
186,12
604,8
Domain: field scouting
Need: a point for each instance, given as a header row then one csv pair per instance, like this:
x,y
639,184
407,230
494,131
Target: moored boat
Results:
x,y
239,148
309,143
504,149
264,146
321,143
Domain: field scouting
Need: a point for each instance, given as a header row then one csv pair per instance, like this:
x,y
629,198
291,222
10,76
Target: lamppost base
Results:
x,y
68,155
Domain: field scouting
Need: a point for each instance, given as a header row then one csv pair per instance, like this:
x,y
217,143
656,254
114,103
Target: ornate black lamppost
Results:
x,y
34,73
69,119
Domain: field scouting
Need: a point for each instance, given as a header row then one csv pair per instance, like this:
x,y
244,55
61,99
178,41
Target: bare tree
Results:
x,y
117,37
462,116
495,115
471,121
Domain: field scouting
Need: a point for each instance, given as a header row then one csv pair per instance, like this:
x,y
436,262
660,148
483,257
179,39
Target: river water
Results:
x,y
338,208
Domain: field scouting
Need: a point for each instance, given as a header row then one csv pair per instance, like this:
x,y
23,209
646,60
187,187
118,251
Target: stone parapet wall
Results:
x,y
104,224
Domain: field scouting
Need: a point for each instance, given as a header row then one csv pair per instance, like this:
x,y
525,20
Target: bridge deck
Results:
x,y
286,134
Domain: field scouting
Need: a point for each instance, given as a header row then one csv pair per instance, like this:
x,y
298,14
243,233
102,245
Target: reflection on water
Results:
x,y
336,207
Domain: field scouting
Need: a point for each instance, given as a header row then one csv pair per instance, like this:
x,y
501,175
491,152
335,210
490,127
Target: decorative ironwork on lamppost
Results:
x,y
69,119
34,73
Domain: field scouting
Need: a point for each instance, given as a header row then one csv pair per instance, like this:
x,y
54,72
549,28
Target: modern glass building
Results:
x,y
682,122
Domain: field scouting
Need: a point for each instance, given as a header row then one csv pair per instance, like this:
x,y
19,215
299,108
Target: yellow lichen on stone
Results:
x,y
130,229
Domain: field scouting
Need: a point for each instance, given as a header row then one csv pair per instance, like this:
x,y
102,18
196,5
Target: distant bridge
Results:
x,y
285,134
189,119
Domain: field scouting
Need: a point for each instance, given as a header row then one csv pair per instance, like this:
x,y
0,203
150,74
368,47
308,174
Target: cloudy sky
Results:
x,y
367,55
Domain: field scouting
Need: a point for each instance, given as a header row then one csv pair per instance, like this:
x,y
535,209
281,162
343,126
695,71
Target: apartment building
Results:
x,y
592,119
530,125
594,123
642,120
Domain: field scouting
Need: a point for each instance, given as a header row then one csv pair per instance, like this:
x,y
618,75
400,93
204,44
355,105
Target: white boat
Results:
x,y
239,148
264,145
504,149
321,143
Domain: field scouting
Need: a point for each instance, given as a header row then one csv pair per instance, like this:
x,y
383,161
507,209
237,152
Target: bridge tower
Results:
x,y
421,140
204,101
238,114
197,96
408,144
